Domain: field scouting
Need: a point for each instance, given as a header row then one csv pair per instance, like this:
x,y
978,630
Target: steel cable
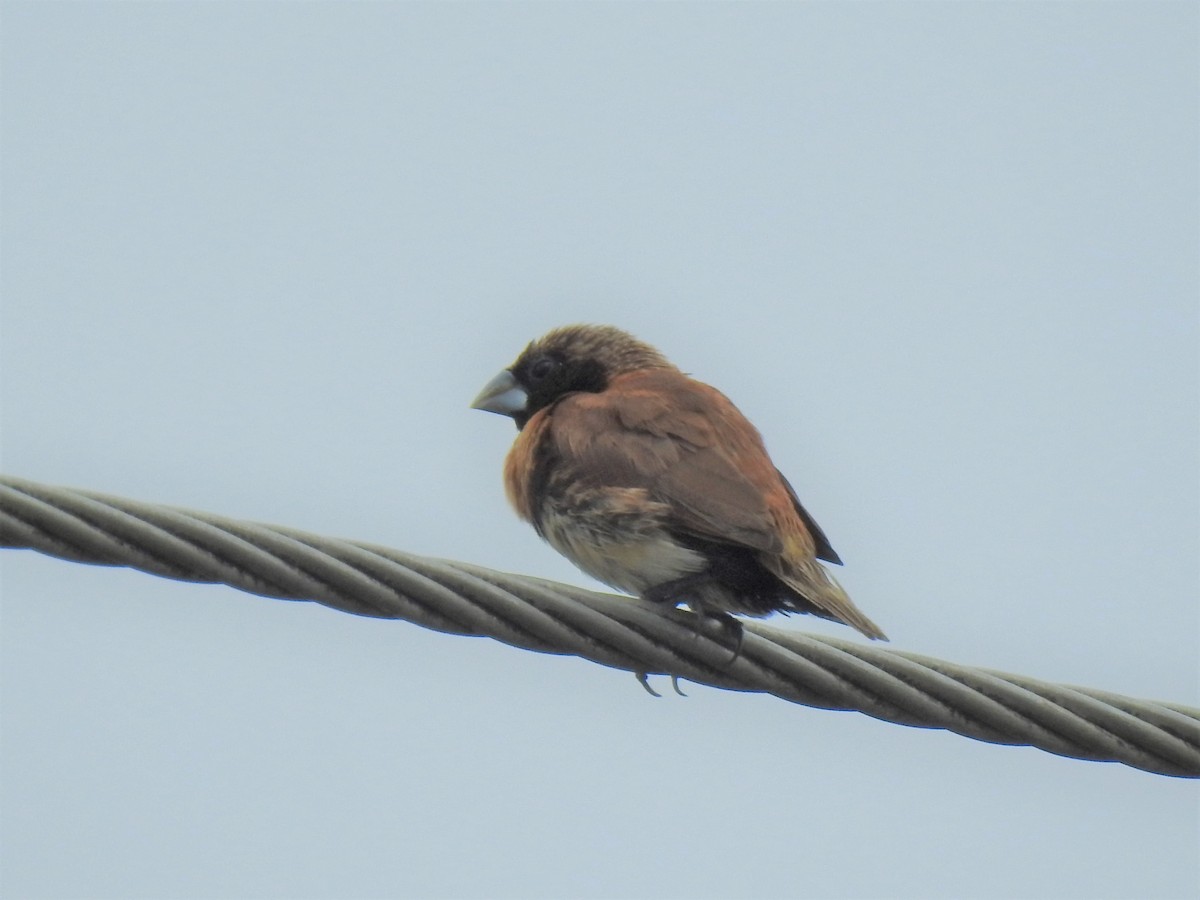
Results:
x,y
548,617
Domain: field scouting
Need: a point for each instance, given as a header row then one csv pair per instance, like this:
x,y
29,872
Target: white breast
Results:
x,y
631,561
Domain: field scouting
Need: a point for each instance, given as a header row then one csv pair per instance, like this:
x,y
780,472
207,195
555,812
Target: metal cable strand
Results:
x,y
614,631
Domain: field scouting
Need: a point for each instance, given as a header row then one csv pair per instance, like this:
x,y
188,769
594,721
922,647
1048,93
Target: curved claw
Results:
x,y
675,684
644,680
734,629
726,629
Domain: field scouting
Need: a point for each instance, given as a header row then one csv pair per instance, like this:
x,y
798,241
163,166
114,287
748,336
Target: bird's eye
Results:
x,y
542,368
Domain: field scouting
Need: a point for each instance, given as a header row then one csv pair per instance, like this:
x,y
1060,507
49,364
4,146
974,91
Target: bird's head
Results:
x,y
564,361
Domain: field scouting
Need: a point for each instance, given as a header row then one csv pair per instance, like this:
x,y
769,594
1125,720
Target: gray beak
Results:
x,y
502,395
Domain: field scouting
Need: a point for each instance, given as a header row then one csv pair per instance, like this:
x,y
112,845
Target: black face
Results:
x,y
546,376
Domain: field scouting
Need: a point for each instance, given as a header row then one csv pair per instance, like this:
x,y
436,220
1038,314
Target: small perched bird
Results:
x,y
656,484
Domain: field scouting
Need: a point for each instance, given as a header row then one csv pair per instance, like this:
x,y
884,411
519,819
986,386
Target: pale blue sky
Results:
x,y
258,258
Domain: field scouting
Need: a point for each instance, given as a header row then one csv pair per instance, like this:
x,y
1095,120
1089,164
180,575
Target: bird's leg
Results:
x,y
670,593
674,592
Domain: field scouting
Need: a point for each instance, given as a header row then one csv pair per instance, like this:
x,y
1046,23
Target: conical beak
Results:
x,y
502,395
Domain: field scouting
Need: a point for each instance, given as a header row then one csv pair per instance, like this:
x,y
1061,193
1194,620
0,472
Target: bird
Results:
x,y
655,484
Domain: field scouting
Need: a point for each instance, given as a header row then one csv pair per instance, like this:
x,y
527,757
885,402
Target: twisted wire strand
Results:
x,y
620,632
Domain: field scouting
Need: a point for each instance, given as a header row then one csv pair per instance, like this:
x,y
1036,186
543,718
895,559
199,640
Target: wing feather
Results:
x,y
688,445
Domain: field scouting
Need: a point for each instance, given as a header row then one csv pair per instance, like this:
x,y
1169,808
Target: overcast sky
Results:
x,y
256,259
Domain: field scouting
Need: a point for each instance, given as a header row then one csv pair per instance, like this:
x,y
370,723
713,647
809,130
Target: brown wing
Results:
x,y
690,447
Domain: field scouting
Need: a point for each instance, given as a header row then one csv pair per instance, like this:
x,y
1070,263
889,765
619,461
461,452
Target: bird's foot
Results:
x,y
644,680
675,592
732,629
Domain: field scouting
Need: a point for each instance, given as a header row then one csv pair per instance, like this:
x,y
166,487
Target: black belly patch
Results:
x,y
739,573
